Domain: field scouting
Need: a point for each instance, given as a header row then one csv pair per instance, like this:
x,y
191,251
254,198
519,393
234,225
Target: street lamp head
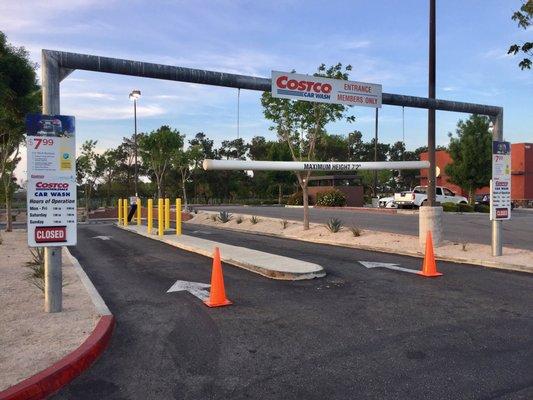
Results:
x,y
135,94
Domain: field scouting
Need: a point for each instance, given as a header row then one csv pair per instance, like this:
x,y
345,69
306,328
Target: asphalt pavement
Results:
x,y
356,334
463,228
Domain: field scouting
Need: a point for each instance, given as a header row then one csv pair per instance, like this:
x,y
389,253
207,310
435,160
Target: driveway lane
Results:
x,y
358,333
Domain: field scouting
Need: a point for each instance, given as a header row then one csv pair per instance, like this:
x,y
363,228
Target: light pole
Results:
x,y
134,95
431,200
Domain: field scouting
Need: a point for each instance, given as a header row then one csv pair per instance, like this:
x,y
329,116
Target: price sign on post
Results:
x,y
51,199
500,193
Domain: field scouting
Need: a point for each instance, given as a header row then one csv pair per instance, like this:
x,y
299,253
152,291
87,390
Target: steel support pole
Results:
x,y
431,111
376,150
496,242
135,140
53,279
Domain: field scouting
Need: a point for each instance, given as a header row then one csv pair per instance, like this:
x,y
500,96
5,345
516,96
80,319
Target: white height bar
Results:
x,y
310,165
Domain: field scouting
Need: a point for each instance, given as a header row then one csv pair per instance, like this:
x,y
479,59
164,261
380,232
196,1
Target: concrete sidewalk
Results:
x,y
266,264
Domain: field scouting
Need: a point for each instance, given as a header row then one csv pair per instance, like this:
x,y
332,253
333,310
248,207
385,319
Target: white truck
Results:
x,y
418,197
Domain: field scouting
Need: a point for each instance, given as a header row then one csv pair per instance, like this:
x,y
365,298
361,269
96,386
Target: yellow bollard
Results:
x,y
150,216
139,211
125,204
160,217
119,211
178,216
167,213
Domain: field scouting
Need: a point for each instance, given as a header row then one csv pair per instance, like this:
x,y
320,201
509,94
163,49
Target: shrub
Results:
x,y
331,198
449,207
284,223
213,217
334,225
482,208
224,216
296,199
239,220
355,231
36,274
254,219
465,207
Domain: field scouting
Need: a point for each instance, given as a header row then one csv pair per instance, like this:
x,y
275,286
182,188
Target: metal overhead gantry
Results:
x,y
57,65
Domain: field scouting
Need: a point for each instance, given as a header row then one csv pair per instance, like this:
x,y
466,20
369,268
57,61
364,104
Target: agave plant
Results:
x,y
224,216
254,219
355,231
334,225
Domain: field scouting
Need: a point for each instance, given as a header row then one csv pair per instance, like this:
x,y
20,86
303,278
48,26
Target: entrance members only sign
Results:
x,y
325,90
51,198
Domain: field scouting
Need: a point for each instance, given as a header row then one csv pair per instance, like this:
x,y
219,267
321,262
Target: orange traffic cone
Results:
x,y
429,268
217,295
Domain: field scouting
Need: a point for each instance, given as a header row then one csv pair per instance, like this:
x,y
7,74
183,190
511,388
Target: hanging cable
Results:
x,y
403,125
238,111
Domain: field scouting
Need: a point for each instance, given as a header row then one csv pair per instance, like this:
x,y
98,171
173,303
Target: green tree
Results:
x,y
184,161
110,164
19,95
471,153
89,168
157,149
523,17
300,124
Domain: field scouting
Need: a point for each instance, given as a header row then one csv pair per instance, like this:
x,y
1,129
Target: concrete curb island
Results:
x,y
470,261
59,374
269,265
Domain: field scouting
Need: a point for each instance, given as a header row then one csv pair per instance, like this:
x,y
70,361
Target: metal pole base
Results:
x,y
497,247
53,288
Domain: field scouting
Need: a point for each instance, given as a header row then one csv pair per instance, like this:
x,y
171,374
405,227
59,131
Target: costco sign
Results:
x,y
325,90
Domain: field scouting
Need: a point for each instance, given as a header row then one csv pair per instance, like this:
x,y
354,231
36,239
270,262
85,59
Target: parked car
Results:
x,y
418,197
387,202
485,199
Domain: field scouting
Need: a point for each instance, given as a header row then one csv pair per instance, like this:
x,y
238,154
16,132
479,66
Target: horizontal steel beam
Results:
x,y
87,62
242,165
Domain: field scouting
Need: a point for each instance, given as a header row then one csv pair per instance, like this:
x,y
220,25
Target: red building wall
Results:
x,y
521,172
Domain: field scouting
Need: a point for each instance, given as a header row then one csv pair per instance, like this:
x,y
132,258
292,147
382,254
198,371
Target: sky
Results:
x,y
385,41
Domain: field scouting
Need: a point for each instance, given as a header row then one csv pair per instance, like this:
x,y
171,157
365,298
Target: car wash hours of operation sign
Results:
x,y
51,199
500,196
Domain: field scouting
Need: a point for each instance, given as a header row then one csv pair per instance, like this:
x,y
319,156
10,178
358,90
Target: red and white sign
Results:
x,y
51,199
50,234
287,85
500,190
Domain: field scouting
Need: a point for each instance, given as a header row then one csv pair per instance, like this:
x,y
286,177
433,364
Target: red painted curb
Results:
x,y
53,378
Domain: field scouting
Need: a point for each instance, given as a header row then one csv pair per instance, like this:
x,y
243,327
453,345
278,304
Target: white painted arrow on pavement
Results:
x,y
396,267
102,237
197,289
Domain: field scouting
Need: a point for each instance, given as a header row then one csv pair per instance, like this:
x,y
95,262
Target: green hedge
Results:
x,y
331,198
452,207
465,207
449,207
296,199
482,208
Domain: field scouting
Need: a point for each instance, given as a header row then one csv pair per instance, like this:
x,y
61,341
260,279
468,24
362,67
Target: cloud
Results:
x,y
497,54
35,16
354,44
87,95
103,112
